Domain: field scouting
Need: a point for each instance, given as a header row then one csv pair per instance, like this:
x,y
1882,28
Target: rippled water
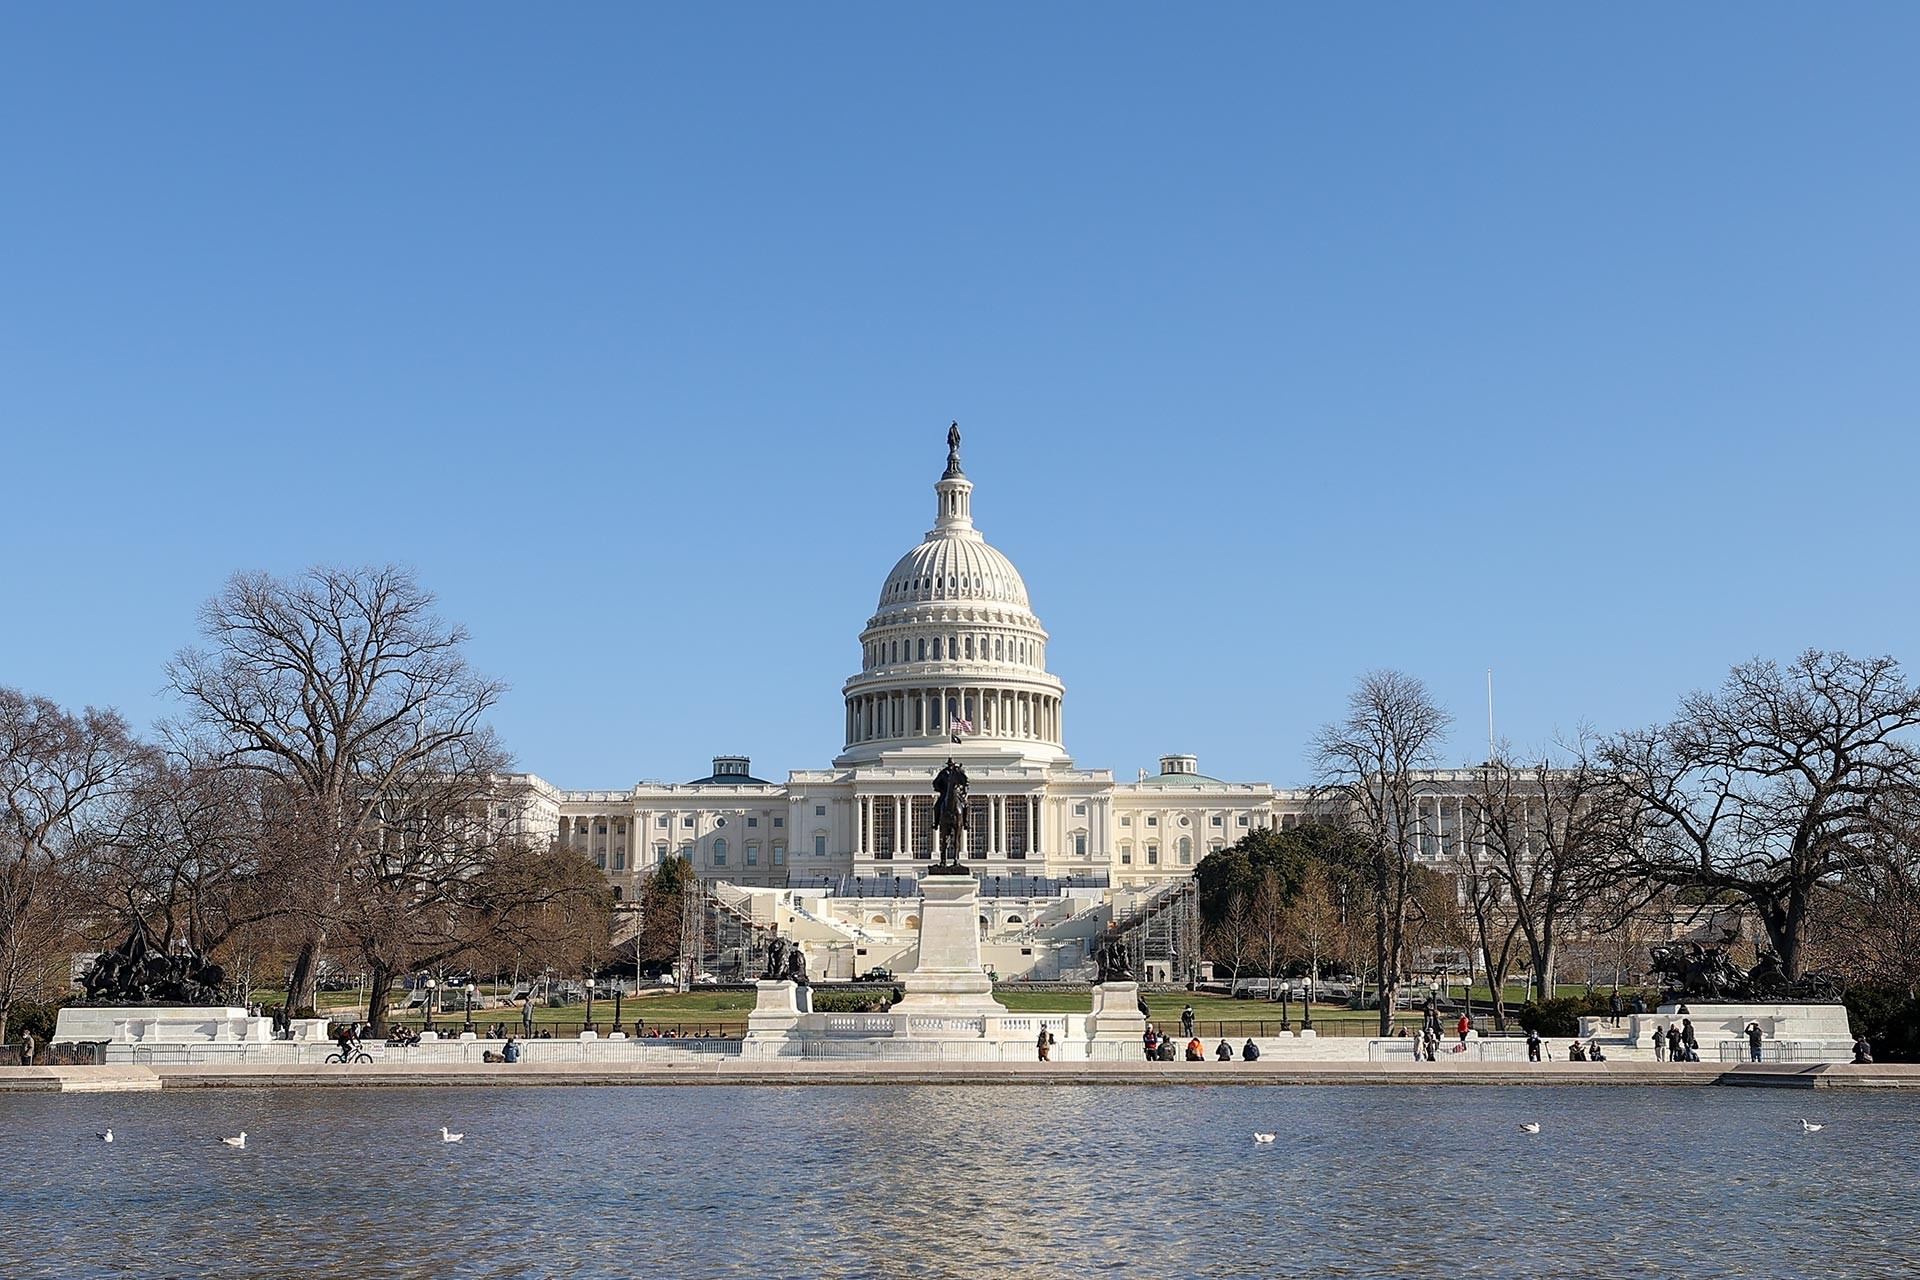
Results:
x,y
935,1182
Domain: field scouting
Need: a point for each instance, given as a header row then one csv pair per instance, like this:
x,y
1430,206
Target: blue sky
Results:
x,y
1287,342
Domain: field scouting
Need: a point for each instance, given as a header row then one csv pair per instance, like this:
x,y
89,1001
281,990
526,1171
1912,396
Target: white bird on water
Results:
x,y
450,1137
1529,1128
1263,1137
240,1141
106,1137
1810,1128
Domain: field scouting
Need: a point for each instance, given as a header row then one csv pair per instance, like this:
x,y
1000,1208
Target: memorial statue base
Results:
x,y
161,1025
948,979
1116,1013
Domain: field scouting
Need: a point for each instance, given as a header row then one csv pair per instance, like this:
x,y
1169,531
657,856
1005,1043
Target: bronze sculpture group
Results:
x,y
141,971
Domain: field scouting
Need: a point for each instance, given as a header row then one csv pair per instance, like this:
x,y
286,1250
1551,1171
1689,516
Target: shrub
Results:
x,y
36,1016
1889,1017
1561,1017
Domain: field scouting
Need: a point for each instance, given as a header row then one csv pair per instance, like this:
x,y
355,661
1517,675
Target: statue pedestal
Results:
x,y
1116,1013
1790,1032
948,978
161,1025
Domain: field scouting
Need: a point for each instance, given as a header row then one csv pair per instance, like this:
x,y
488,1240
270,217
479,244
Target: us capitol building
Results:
x,y
953,664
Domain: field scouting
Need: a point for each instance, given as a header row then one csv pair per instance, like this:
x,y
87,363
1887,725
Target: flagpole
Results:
x,y
1489,715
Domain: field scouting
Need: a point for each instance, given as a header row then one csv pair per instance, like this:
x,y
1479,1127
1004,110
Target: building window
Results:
x,y
923,650
1126,822
819,811
660,821
1216,819
601,860
686,851
1080,810
719,853
660,853
600,830
1080,846
1153,822
1243,819
1126,855
753,822
1186,852
778,823
616,893
819,846
753,855
779,855
619,828
620,858
1153,855
503,811
936,648
686,822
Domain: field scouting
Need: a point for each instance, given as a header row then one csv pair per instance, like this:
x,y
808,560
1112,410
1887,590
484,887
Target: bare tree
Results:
x,y
1549,832
1230,938
1768,787
53,767
1483,893
1393,728
1314,917
337,686
1272,938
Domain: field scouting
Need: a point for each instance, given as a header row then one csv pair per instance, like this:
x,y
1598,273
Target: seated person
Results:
x,y
1223,1052
1576,1053
512,1051
1593,1052
1196,1052
1249,1052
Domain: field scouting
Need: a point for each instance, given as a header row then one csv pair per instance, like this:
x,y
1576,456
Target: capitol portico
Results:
x,y
953,663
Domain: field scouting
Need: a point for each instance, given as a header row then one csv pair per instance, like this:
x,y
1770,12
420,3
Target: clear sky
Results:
x,y
1288,341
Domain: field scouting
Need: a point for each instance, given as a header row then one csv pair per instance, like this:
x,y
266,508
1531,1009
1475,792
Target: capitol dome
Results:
x,y
953,648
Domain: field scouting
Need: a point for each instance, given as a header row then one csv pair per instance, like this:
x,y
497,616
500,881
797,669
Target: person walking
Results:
x,y
1659,1045
1186,1022
1690,1040
1042,1043
1465,1025
1753,1040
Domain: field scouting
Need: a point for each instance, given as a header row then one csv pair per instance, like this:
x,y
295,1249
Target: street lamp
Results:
x,y
1286,990
618,991
1306,1004
429,985
472,990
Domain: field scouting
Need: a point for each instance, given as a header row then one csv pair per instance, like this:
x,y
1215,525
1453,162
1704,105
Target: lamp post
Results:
x,y
618,991
430,986
1306,1004
472,990
1286,990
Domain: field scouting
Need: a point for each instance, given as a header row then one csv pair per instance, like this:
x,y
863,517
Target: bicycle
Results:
x,y
353,1054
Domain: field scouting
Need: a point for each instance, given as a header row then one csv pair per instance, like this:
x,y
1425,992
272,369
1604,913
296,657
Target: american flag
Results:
x,y
960,726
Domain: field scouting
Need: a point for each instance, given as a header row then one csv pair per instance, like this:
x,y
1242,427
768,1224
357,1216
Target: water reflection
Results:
x,y
960,1182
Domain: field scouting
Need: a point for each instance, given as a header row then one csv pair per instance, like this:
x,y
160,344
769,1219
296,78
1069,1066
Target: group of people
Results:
x,y
1161,1047
1590,1051
1677,1042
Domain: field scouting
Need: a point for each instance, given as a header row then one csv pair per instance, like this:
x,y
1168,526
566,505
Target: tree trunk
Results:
x,y
379,998
302,988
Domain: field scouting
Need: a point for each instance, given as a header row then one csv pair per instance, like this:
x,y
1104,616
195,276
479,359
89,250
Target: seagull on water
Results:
x,y
1529,1128
105,1137
450,1137
240,1141
1805,1127
1263,1137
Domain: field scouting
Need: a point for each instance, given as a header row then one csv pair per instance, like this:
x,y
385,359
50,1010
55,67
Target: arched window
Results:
x,y
1153,855
616,893
969,646
1186,851
720,852
923,649
1126,855
936,648
996,648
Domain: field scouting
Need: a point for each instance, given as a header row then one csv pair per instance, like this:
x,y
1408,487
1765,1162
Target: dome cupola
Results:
x,y
953,646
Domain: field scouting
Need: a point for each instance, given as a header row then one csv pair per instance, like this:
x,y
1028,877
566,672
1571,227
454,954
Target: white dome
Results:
x,y
955,567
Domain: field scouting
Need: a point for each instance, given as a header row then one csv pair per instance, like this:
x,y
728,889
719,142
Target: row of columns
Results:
x,y
897,829
928,713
